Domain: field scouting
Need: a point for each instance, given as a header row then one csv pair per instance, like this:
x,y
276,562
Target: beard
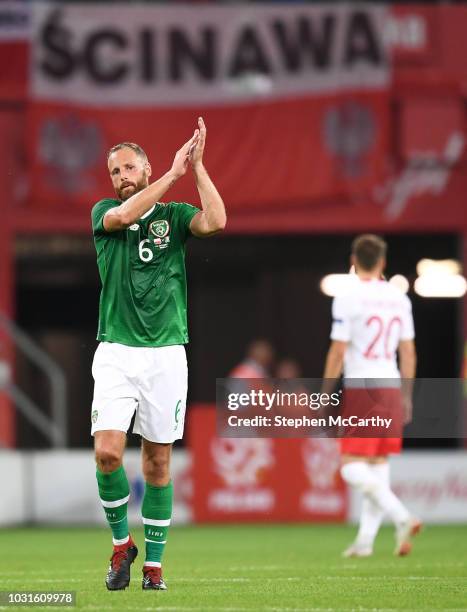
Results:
x,y
130,188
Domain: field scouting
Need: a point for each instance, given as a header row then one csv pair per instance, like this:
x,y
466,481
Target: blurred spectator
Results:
x,y
288,380
257,362
251,373
288,368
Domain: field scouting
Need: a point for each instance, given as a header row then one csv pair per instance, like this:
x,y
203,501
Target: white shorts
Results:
x,y
151,380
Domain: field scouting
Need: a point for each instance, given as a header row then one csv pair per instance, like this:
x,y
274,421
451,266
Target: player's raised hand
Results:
x,y
197,150
182,156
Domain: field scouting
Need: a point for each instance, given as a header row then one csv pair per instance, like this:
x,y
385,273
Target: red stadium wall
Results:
x,y
8,122
343,157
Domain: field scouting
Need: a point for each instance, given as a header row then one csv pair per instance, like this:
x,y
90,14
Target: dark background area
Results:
x,y
239,288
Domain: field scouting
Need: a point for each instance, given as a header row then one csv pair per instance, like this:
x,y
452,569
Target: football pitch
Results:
x,y
252,567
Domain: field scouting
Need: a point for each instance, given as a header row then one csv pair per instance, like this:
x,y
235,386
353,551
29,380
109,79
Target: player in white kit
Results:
x,y
372,323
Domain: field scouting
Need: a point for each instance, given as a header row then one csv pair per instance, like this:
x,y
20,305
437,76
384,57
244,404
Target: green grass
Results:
x,y
253,567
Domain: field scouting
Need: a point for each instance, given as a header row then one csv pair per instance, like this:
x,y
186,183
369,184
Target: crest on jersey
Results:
x,y
160,228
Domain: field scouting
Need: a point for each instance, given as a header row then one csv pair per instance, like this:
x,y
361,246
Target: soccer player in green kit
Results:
x,y
140,363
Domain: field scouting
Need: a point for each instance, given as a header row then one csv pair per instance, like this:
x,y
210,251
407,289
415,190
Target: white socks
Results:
x,y
378,500
371,515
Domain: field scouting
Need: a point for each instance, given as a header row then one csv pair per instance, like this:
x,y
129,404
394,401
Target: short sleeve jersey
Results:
x,y
143,300
373,317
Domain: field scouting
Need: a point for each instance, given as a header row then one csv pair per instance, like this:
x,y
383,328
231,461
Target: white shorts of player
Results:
x,y
152,381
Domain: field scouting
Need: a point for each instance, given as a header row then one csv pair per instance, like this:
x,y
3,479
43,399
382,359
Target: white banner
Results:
x,y
160,55
60,487
433,485
14,502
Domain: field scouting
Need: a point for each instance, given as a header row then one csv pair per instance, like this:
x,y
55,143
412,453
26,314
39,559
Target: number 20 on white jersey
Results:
x,y
373,317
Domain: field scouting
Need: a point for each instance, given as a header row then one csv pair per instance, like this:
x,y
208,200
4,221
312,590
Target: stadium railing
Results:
x,y
53,427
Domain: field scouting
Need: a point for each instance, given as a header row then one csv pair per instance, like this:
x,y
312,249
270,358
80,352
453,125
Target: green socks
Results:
x,y
114,492
157,512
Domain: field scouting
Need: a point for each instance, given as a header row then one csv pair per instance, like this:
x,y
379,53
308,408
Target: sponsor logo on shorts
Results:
x,y
177,413
94,416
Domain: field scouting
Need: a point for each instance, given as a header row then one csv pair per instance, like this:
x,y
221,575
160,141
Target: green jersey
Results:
x,y
142,269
